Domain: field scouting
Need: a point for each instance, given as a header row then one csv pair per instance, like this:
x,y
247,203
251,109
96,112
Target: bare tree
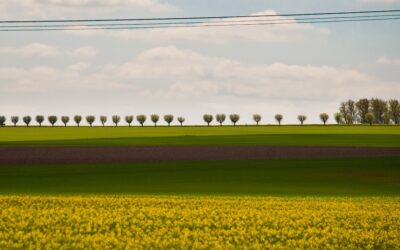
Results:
x,y
369,118
77,119
362,109
90,119
103,119
394,107
257,118
302,119
234,118
208,118
116,119
52,119
168,119
279,118
14,120
39,119
141,119
27,120
155,118
129,119
338,118
65,120
181,120
220,118
324,118
3,120
378,108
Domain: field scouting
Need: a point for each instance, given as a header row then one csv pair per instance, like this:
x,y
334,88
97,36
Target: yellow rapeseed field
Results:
x,y
152,222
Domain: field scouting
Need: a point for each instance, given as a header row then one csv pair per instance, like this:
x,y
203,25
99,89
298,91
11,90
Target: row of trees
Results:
x,y
369,111
90,119
363,111
141,119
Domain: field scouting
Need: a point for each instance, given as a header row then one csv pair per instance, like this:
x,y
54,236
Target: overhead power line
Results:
x,y
197,22
203,17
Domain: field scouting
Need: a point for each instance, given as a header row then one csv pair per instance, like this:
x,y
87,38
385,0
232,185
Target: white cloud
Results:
x,y
388,61
218,35
45,50
79,66
58,8
190,73
172,72
31,50
86,51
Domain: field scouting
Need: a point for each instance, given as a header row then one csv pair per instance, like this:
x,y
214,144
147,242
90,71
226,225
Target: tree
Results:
x,y
348,111
141,119
52,119
279,118
378,108
103,119
168,119
386,118
77,119
2,121
154,118
234,118
129,119
27,120
39,119
220,118
257,118
348,119
302,119
362,106
338,118
369,118
208,118
65,120
324,117
14,120
90,119
394,108
116,119
181,120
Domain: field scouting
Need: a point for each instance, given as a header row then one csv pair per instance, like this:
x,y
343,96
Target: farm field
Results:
x,y
279,187
152,222
370,176
358,136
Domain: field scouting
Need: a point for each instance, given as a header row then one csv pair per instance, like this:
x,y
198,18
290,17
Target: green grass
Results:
x,y
372,136
283,177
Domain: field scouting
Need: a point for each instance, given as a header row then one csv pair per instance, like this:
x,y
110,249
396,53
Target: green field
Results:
x,y
283,177
280,177
371,136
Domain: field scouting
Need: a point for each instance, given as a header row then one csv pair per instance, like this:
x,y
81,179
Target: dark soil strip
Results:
x,y
126,154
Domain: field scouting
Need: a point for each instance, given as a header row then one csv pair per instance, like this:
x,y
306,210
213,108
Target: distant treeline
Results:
x,y
363,111
369,111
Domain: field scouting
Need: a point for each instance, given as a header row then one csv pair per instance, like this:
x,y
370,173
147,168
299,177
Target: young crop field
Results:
x,y
126,222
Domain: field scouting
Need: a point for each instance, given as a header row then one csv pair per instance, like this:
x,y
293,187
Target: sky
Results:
x,y
289,69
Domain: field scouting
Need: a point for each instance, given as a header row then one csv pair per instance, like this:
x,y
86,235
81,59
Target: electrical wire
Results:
x,y
252,20
203,17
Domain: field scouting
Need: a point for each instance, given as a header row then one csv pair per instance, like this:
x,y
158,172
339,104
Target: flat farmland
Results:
x,y
275,187
313,135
